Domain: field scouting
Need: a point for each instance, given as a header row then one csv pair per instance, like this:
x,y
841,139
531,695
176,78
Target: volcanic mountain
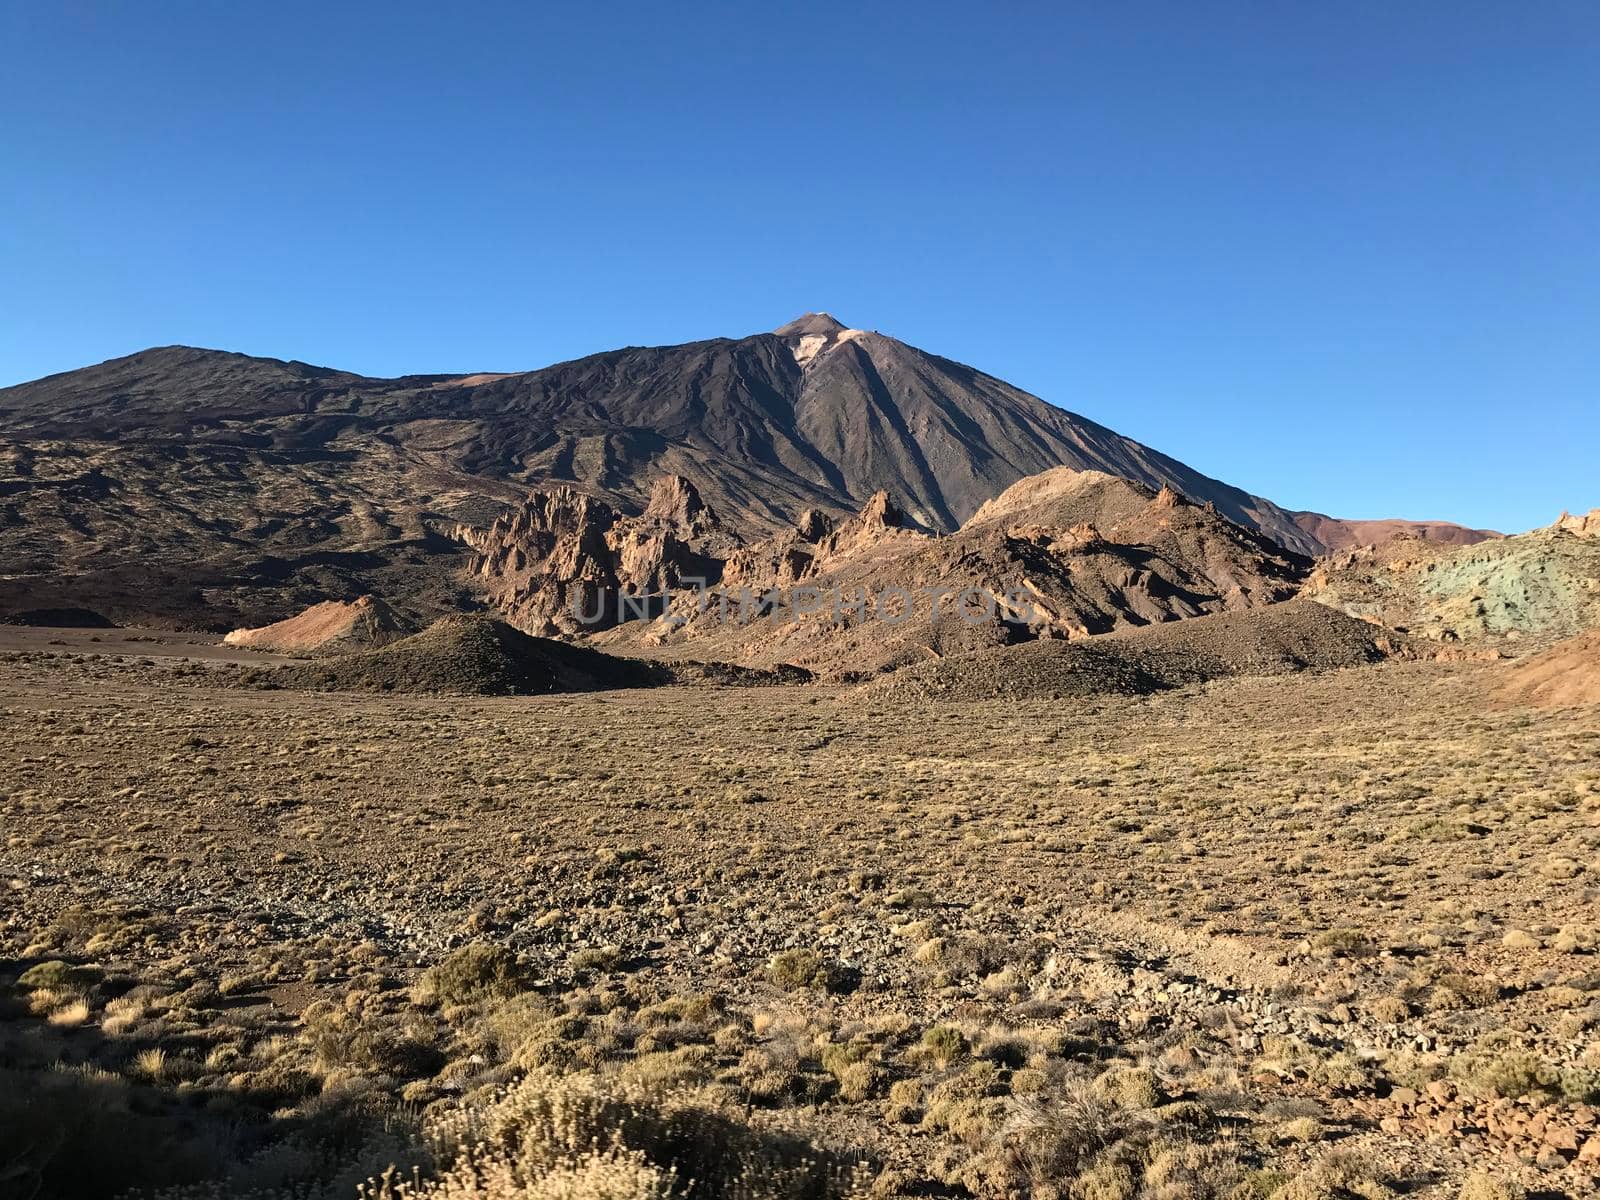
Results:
x,y
203,487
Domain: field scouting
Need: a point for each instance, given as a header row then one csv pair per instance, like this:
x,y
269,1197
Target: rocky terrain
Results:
x,y
202,489
1300,635
797,767
1535,588
1065,554
1178,885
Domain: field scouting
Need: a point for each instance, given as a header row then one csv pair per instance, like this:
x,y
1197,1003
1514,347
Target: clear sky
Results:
x,y
1346,255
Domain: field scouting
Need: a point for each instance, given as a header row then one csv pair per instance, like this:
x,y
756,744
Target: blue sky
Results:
x,y
1344,255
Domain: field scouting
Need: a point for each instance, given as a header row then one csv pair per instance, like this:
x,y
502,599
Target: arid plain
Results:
x,y
1298,936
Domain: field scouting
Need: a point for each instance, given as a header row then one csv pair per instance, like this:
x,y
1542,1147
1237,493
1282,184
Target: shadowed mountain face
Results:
x,y
180,483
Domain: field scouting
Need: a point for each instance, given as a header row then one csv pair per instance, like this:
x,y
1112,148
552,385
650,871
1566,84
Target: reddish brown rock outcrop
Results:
x,y
1336,534
1066,554
566,562
1584,525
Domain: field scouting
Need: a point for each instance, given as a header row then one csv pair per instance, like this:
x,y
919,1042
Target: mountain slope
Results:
x,y
1533,587
253,487
1566,674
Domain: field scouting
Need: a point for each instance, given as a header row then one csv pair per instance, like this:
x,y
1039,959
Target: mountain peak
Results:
x,y
814,323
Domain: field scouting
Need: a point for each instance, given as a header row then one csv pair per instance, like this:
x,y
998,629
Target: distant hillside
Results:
x,y
1334,534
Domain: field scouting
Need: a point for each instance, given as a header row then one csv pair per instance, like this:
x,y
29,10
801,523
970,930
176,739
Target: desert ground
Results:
x,y
1307,936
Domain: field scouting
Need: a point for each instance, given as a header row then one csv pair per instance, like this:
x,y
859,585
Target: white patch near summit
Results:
x,y
810,345
813,344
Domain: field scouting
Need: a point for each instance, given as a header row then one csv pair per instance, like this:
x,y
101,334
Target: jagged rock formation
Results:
x,y
1193,543
566,562
1064,555
548,560
783,559
332,627
1584,525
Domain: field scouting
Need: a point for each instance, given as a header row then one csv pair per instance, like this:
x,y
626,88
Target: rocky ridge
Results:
x,y
1583,525
1064,555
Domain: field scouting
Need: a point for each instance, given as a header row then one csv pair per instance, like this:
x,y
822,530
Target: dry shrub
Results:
x,y
496,1175
1455,991
796,969
477,972
596,958
1499,1066
78,1133
1575,939
944,1044
1129,1087
339,1040
1083,1146
962,955
669,1068
1189,1171
1333,1176
1482,1186
55,975
519,1020
1052,1141
853,1065
582,1136
1342,943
